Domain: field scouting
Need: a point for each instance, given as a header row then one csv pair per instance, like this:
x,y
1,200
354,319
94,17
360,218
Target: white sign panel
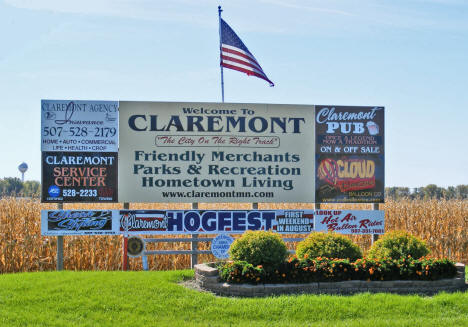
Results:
x,y
216,152
350,221
79,222
79,126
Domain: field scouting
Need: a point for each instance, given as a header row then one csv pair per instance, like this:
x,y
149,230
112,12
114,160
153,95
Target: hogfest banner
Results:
x,y
78,222
109,151
214,221
349,154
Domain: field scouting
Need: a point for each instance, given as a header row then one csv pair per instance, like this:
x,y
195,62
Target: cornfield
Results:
x,y
443,224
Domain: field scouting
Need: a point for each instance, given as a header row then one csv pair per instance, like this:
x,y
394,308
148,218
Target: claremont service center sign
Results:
x,y
216,152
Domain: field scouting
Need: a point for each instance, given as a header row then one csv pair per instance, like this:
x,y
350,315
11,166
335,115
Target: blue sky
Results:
x,y
409,56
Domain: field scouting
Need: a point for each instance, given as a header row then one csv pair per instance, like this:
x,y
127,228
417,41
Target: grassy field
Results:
x,y
156,299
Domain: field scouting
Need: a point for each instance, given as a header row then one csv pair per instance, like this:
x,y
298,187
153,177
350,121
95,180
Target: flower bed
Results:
x,y
331,270
207,276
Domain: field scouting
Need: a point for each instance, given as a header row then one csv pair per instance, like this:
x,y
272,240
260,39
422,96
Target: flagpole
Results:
x,y
220,63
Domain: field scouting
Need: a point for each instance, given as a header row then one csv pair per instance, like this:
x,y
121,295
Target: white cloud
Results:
x,y
298,17
301,6
176,10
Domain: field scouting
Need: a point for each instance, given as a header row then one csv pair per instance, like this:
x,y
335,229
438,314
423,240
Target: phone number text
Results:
x,y
81,193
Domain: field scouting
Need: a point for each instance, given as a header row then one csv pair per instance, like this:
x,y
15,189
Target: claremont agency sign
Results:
x,y
210,152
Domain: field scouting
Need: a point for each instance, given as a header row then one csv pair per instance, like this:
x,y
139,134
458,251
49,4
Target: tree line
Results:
x,y
13,186
430,191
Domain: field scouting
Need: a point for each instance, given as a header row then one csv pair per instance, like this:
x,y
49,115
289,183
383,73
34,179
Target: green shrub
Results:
x,y
259,248
329,245
398,245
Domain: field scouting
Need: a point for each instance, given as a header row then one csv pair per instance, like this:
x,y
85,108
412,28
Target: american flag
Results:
x,y
235,55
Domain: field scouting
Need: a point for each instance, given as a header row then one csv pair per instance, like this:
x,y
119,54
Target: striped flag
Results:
x,y
235,55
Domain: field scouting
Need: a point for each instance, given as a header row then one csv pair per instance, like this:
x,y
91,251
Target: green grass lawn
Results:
x,y
155,299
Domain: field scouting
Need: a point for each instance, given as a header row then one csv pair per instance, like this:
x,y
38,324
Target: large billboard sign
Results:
x,y
216,152
109,151
163,222
349,154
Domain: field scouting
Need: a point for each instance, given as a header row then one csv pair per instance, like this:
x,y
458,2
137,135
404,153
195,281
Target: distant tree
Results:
x,y
2,187
461,191
11,186
31,189
418,193
403,192
449,193
390,192
432,191
397,192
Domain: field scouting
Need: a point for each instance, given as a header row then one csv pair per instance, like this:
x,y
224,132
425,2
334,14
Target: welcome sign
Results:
x,y
213,152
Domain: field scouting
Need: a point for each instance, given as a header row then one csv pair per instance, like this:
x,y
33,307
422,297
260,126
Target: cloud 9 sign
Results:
x,y
349,154
210,152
